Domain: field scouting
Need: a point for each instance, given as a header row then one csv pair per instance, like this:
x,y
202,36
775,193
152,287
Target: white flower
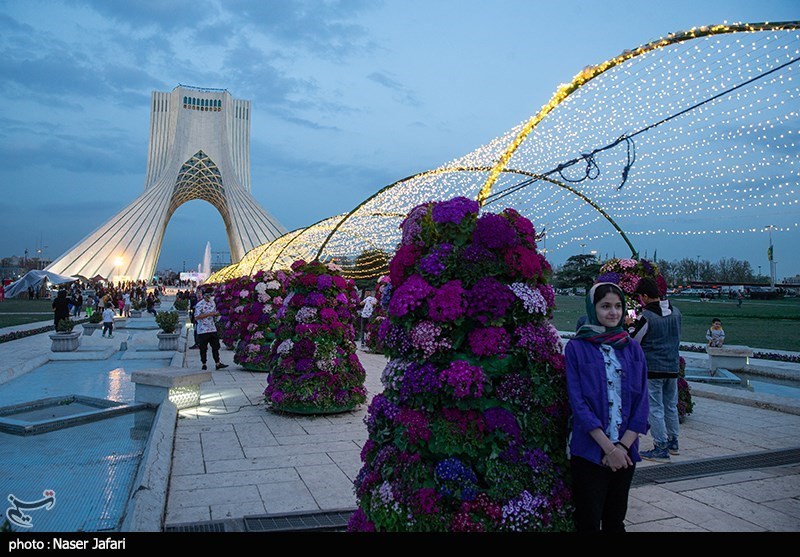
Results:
x,y
261,287
244,293
285,346
273,285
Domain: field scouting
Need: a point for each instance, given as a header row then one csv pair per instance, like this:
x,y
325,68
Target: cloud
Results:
x,y
405,95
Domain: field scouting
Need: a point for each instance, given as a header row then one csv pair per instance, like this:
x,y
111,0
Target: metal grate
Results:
x,y
197,527
322,521
711,466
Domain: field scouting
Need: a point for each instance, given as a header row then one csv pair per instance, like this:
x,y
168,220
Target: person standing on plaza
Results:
x,y
150,303
607,389
658,330
205,312
77,304
60,307
126,303
367,307
108,321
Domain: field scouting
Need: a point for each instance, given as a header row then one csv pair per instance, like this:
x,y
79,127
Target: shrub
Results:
x,y
168,321
96,317
65,325
181,304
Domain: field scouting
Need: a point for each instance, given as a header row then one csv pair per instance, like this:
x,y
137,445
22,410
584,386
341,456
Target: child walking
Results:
x,y
108,321
715,335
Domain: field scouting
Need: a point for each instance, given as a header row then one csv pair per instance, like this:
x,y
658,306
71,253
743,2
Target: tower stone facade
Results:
x,y
199,149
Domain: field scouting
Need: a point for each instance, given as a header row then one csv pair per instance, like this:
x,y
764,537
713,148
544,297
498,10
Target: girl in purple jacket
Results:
x,y
607,387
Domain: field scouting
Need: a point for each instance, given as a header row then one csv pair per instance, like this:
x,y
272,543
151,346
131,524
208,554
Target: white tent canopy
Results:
x,y
34,278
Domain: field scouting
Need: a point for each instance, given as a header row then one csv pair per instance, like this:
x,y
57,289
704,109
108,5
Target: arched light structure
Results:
x,y
693,134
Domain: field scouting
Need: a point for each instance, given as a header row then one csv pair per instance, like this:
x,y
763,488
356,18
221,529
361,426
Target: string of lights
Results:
x,y
714,112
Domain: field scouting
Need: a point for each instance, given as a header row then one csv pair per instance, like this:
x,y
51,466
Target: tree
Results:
x,y
579,271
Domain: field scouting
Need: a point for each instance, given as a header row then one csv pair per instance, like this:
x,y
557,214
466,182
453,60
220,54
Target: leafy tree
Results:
x,y
579,271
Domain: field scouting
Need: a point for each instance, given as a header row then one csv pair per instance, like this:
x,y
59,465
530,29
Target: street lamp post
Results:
x,y
698,268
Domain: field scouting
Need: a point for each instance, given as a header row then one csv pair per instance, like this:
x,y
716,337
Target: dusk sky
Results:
x,y
347,97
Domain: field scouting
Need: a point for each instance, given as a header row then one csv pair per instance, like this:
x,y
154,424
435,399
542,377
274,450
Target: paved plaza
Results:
x,y
231,462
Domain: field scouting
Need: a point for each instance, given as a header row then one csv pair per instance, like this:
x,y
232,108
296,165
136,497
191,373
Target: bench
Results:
x,y
731,357
179,386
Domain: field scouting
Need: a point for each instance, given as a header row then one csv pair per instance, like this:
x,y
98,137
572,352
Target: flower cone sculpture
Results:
x,y
470,432
313,367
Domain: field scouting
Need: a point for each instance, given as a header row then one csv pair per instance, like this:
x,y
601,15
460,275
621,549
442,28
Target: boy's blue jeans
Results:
x,y
664,424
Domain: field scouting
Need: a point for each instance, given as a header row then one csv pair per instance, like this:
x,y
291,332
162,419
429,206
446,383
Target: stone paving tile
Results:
x,y
232,479
790,507
283,451
187,515
214,496
329,486
768,489
348,462
666,525
194,426
254,434
187,458
238,510
315,439
349,429
643,511
267,462
221,445
697,512
286,497
281,425
759,516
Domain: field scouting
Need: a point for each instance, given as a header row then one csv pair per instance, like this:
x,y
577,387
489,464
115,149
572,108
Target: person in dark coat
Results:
x,y
60,307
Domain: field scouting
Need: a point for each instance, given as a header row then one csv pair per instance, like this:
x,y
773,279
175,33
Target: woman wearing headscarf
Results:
x,y
607,387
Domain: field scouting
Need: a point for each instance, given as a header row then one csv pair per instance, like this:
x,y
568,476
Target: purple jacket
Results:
x,y
588,395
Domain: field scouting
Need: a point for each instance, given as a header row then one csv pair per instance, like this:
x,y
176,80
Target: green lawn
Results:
x,y
765,324
18,312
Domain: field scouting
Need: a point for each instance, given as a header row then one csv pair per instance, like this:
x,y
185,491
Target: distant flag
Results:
x,y
769,253
655,257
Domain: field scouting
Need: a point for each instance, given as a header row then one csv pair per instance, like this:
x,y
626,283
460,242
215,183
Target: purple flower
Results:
x,y
448,302
324,282
474,253
494,232
539,340
502,419
409,296
425,337
611,276
435,262
418,379
489,341
315,299
465,379
411,226
454,210
416,424
488,300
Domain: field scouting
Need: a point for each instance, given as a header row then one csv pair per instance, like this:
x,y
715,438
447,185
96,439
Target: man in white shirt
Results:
x,y
204,313
368,306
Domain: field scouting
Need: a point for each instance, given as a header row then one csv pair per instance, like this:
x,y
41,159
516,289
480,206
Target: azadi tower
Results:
x,y
199,149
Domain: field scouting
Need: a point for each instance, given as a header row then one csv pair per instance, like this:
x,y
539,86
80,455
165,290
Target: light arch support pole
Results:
x,y
591,72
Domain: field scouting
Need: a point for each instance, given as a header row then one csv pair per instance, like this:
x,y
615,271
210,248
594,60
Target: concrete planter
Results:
x,y
65,342
168,341
136,313
90,328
